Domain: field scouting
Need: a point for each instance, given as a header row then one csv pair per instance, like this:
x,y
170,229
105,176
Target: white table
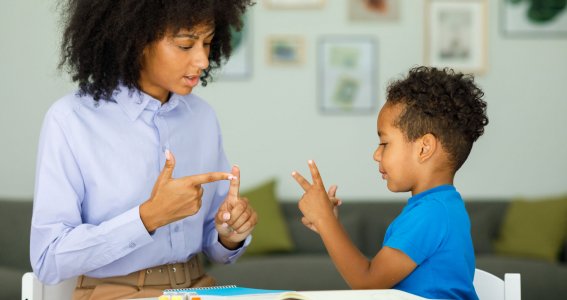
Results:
x,y
325,295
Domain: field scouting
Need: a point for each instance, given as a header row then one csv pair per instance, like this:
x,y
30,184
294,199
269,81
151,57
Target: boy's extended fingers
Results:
x,y
301,180
315,173
207,178
332,191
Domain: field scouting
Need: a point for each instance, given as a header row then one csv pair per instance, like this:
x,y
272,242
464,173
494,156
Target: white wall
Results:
x,y
272,125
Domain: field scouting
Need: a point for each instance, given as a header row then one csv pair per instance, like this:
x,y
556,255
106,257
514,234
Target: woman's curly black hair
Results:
x,y
103,40
444,103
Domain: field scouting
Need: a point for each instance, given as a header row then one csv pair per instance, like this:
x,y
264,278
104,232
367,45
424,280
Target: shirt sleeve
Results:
x,y
211,244
61,246
421,231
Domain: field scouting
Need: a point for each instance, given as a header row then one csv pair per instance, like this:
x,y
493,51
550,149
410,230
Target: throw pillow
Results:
x,y
534,228
271,233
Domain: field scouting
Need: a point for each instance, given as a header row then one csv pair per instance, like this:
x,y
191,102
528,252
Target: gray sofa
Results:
x,y
15,218
308,267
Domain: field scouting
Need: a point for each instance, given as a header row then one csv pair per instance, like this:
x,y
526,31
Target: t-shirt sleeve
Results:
x,y
420,231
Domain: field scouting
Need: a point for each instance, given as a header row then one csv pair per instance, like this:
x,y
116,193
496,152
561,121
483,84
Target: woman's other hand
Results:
x,y
235,218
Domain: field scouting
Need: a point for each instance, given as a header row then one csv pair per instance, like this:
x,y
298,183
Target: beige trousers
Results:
x,y
120,291
143,284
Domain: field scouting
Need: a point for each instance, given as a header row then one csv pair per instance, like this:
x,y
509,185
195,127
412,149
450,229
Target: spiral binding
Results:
x,y
189,290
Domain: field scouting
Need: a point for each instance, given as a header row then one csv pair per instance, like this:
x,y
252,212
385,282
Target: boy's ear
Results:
x,y
427,147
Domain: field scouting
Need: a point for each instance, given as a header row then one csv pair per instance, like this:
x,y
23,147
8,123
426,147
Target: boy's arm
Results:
x,y
385,270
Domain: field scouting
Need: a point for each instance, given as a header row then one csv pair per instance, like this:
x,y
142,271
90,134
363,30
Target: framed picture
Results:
x,y
239,65
456,35
284,4
527,18
347,75
285,50
374,10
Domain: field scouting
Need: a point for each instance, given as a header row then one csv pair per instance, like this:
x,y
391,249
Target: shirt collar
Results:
x,y
133,102
441,188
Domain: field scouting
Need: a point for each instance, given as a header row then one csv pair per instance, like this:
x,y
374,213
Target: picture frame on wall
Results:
x,y
347,74
374,10
293,4
456,35
239,65
521,18
285,50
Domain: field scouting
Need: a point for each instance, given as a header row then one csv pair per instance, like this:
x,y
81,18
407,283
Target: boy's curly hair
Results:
x,y
103,40
444,103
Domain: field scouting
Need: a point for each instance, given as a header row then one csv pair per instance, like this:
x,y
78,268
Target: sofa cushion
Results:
x,y
485,224
307,241
10,283
271,233
539,279
281,272
15,223
376,220
534,229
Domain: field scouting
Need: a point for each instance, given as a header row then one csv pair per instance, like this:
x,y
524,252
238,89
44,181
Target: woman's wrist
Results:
x,y
230,245
147,215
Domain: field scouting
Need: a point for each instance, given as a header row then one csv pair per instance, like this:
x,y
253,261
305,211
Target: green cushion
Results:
x,y
535,228
271,233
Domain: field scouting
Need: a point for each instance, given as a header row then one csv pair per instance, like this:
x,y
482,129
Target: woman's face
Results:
x,y
175,62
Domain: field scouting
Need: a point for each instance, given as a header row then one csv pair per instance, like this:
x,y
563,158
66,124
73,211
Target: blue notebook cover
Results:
x,y
224,290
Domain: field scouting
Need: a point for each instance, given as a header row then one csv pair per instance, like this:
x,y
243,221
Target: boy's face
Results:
x,y
395,155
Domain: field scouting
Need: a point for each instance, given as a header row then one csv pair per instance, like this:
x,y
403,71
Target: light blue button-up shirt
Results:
x,y
98,161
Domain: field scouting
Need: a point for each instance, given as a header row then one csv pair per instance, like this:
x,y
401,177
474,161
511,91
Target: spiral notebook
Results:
x,y
223,290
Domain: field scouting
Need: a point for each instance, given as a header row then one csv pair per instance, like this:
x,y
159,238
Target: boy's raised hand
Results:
x,y
173,199
316,204
235,218
336,203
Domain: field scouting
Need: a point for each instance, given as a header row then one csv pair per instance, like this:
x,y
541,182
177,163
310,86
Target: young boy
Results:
x,y
426,128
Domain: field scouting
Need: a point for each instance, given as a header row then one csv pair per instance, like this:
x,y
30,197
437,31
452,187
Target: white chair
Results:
x,y
490,287
33,289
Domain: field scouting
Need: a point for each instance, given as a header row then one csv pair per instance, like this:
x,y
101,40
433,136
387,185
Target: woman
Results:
x,y
112,203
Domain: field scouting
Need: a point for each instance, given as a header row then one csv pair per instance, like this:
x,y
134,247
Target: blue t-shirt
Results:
x,y
434,231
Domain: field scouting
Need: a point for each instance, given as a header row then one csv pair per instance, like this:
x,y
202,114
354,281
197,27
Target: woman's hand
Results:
x,y
173,199
316,204
235,218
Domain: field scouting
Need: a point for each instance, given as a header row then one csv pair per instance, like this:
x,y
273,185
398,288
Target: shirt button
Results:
x,y
176,229
132,245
